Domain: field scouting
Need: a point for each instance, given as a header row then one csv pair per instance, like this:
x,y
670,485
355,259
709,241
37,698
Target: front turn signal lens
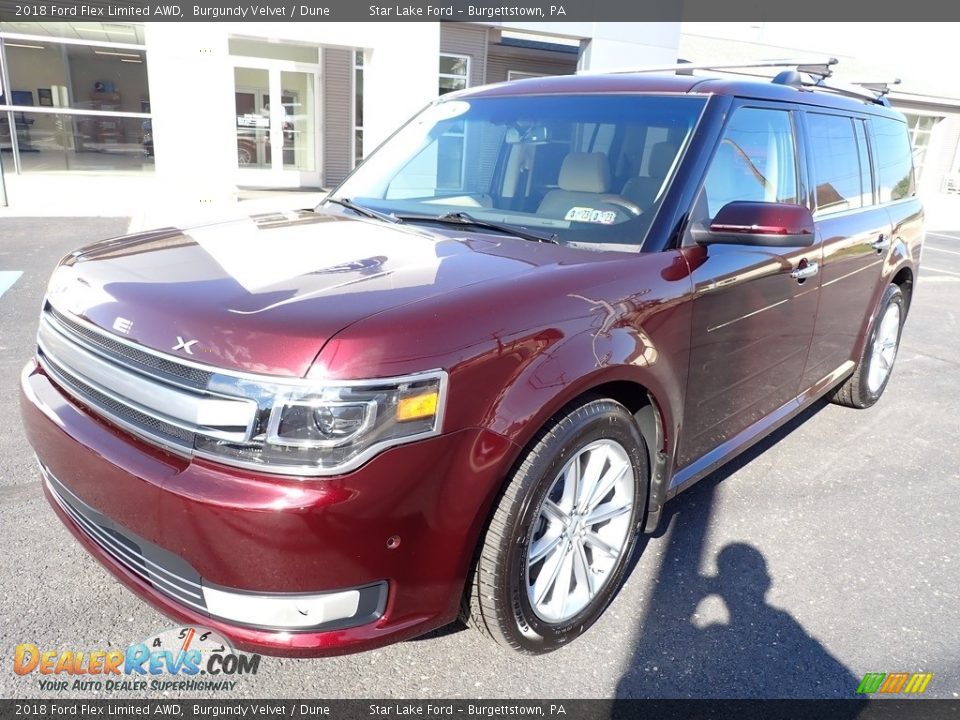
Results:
x,y
417,407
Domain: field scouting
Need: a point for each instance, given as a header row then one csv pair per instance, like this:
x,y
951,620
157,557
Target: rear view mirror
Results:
x,y
760,223
528,134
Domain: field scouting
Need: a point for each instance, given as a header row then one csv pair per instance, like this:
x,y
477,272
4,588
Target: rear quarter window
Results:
x,y
894,158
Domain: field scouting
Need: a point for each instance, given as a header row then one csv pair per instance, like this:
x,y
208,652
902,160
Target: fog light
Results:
x,y
293,611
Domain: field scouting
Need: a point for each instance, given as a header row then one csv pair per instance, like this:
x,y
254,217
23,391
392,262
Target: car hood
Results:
x,y
265,293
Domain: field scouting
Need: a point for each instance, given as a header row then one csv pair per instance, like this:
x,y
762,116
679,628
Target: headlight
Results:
x,y
333,427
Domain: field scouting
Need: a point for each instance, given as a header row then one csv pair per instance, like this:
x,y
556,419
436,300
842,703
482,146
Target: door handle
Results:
x,y
805,271
881,243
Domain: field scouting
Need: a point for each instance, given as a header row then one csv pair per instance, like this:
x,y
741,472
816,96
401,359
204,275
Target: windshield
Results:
x,y
583,168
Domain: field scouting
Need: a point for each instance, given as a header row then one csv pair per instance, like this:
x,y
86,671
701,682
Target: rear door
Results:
x,y
854,232
752,320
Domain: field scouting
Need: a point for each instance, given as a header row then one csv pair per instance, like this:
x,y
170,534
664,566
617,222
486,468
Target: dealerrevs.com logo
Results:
x,y
184,658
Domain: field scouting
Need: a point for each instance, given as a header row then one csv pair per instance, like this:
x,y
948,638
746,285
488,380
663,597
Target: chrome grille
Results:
x,y
141,391
146,361
165,572
118,410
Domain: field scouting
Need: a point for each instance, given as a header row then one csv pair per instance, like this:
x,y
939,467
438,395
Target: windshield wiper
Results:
x,y
361,210
462,218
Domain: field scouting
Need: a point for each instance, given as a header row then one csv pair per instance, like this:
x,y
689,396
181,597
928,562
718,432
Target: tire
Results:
x,y
869,380
246,153
597,438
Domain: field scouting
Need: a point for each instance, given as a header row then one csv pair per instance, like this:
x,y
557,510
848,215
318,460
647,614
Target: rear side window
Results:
x,y
756,161
837,169
894,158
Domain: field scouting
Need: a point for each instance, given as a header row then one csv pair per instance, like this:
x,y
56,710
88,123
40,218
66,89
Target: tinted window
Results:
x,y
866,175
836,163
894,159
756,161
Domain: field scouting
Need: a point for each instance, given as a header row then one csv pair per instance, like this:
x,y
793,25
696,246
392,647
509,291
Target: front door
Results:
x,y
752,319
277,127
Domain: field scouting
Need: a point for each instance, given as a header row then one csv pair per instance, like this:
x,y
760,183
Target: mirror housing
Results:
x,y
762,224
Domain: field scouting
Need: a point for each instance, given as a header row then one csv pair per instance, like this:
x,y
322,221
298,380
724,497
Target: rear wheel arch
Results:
x,y
904,280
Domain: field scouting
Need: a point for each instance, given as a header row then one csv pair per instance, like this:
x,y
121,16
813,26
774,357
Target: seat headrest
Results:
x,y
585,172
661,158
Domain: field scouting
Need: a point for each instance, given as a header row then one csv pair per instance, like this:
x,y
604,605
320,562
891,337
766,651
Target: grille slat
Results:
x,y
125,550
117,410
160,400
146,361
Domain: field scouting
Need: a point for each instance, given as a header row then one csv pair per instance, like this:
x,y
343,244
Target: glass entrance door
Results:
x,y
277,132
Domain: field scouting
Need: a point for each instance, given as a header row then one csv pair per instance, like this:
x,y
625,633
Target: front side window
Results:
x,y
589,169
755,161
837,174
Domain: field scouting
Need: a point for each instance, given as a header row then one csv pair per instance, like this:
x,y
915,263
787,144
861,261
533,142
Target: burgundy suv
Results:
x,y
470,378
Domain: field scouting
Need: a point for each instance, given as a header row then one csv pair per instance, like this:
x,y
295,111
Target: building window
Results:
x,y
920,128
454,73
357,106
520,75
78,98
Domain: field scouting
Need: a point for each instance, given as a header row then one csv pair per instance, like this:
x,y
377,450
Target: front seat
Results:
x,y
584,179
643,190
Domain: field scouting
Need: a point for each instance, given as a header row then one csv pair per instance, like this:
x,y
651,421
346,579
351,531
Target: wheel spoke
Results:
x,y
598,543
571,486
543,547
561,587
606,512
596,461
549,573
606,483
554,513
583,573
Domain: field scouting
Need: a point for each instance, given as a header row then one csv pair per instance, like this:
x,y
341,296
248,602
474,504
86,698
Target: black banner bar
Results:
x,y
476,10
418,709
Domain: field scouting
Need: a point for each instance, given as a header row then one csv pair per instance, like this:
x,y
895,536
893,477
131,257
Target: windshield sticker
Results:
x,y
590,215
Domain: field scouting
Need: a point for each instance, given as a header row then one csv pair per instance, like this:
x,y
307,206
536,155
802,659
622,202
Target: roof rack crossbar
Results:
x,y
815,66
856,90
881,88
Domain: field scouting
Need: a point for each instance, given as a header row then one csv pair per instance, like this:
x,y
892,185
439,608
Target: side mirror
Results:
x,y
760,223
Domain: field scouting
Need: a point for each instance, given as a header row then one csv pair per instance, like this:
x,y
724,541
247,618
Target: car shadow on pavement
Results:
x,y
713,635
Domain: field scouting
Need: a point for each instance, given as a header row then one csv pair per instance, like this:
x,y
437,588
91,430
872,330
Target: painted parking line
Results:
x,y
938,270
943,235
8,278
936,249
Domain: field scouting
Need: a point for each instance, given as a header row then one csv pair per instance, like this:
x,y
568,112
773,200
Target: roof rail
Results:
x,y
814,66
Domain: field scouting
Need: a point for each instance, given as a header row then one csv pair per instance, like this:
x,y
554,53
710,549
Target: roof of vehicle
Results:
x,y
628,82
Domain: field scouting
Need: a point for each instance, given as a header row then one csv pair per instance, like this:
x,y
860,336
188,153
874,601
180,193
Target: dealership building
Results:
x,y
207,108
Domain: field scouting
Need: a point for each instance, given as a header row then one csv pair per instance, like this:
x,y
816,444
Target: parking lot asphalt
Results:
x,y
829,551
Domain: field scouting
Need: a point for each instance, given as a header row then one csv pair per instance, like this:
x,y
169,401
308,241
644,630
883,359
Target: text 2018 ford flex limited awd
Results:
x,y
468,380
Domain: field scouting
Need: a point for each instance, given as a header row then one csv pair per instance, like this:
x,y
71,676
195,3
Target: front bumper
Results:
x,y
396,535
